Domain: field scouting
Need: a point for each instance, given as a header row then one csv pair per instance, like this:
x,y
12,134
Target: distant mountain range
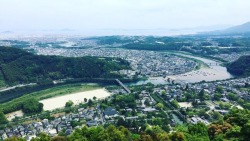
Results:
x,y
200,30
240,29
7,32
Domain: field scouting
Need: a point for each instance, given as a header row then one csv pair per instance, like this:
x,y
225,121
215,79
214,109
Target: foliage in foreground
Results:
x,y
234,127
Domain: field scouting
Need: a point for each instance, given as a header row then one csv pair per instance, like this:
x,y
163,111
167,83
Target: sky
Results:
x,y
120,14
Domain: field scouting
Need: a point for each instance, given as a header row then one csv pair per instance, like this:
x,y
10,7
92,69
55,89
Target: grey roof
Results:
x,y
110,111
92,123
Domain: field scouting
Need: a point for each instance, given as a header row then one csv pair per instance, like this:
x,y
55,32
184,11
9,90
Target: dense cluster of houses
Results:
x,y
63,123
146,63
94,116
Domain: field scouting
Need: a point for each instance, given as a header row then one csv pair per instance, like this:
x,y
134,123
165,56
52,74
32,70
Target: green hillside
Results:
x,y
18,66
240,67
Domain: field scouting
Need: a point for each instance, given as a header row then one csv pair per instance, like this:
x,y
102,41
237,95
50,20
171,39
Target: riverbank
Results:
x,y
13,115
76,98
11,106
214,72
207,70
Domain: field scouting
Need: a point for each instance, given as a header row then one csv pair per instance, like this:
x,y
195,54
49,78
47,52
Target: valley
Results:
x,y
168,88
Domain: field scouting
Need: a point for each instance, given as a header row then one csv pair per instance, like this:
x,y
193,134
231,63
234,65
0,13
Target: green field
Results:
x,y
48,93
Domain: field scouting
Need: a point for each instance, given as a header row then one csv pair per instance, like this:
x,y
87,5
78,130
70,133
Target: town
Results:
x,y
143,63
167,106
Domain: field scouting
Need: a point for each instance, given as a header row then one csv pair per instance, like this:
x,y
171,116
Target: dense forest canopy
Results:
x,y
18,66
240,67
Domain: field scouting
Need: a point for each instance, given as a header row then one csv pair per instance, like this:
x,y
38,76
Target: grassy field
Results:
x,y
63,90
53,92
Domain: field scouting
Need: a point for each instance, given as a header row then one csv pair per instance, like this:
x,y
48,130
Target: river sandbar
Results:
x,y
77,98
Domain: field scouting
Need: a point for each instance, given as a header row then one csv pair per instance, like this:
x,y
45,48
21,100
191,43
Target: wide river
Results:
x,y
213,72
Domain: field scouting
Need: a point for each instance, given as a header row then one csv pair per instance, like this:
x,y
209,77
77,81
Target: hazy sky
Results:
x,y
120,14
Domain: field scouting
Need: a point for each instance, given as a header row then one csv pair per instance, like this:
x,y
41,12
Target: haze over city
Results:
x,y
124,70
101,17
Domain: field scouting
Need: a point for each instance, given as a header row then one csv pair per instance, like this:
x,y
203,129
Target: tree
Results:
x,y
187,87
94,98
215,115
159,106
112,134
232,96
3,119
219,89
175,103
247,85
121,122
245,130
145,137
199,130
42,137
202,95
178,136
168,80
163,93
46,115
146,102
157,121
69,103
235,132
162,137
153,131
90,102
217,96
173,82
216,129
59,138
85,100
237,117
74,123
31,106
14,138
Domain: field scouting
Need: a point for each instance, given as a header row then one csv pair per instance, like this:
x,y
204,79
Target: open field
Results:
x,y
77,98
185,104
12,115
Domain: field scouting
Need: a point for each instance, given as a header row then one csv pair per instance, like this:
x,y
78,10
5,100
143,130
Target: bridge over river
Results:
x,y
123,86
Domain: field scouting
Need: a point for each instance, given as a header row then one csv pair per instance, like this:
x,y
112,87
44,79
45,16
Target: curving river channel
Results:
x,y
211,72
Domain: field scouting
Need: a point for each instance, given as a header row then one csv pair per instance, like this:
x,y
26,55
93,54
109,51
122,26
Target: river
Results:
x,y
213,72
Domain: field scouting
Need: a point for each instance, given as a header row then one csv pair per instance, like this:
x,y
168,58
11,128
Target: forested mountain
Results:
x,y
18,66
240,67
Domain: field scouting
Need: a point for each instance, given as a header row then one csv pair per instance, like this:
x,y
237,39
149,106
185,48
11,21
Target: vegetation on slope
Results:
x,y
18,66
3,119
240,67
